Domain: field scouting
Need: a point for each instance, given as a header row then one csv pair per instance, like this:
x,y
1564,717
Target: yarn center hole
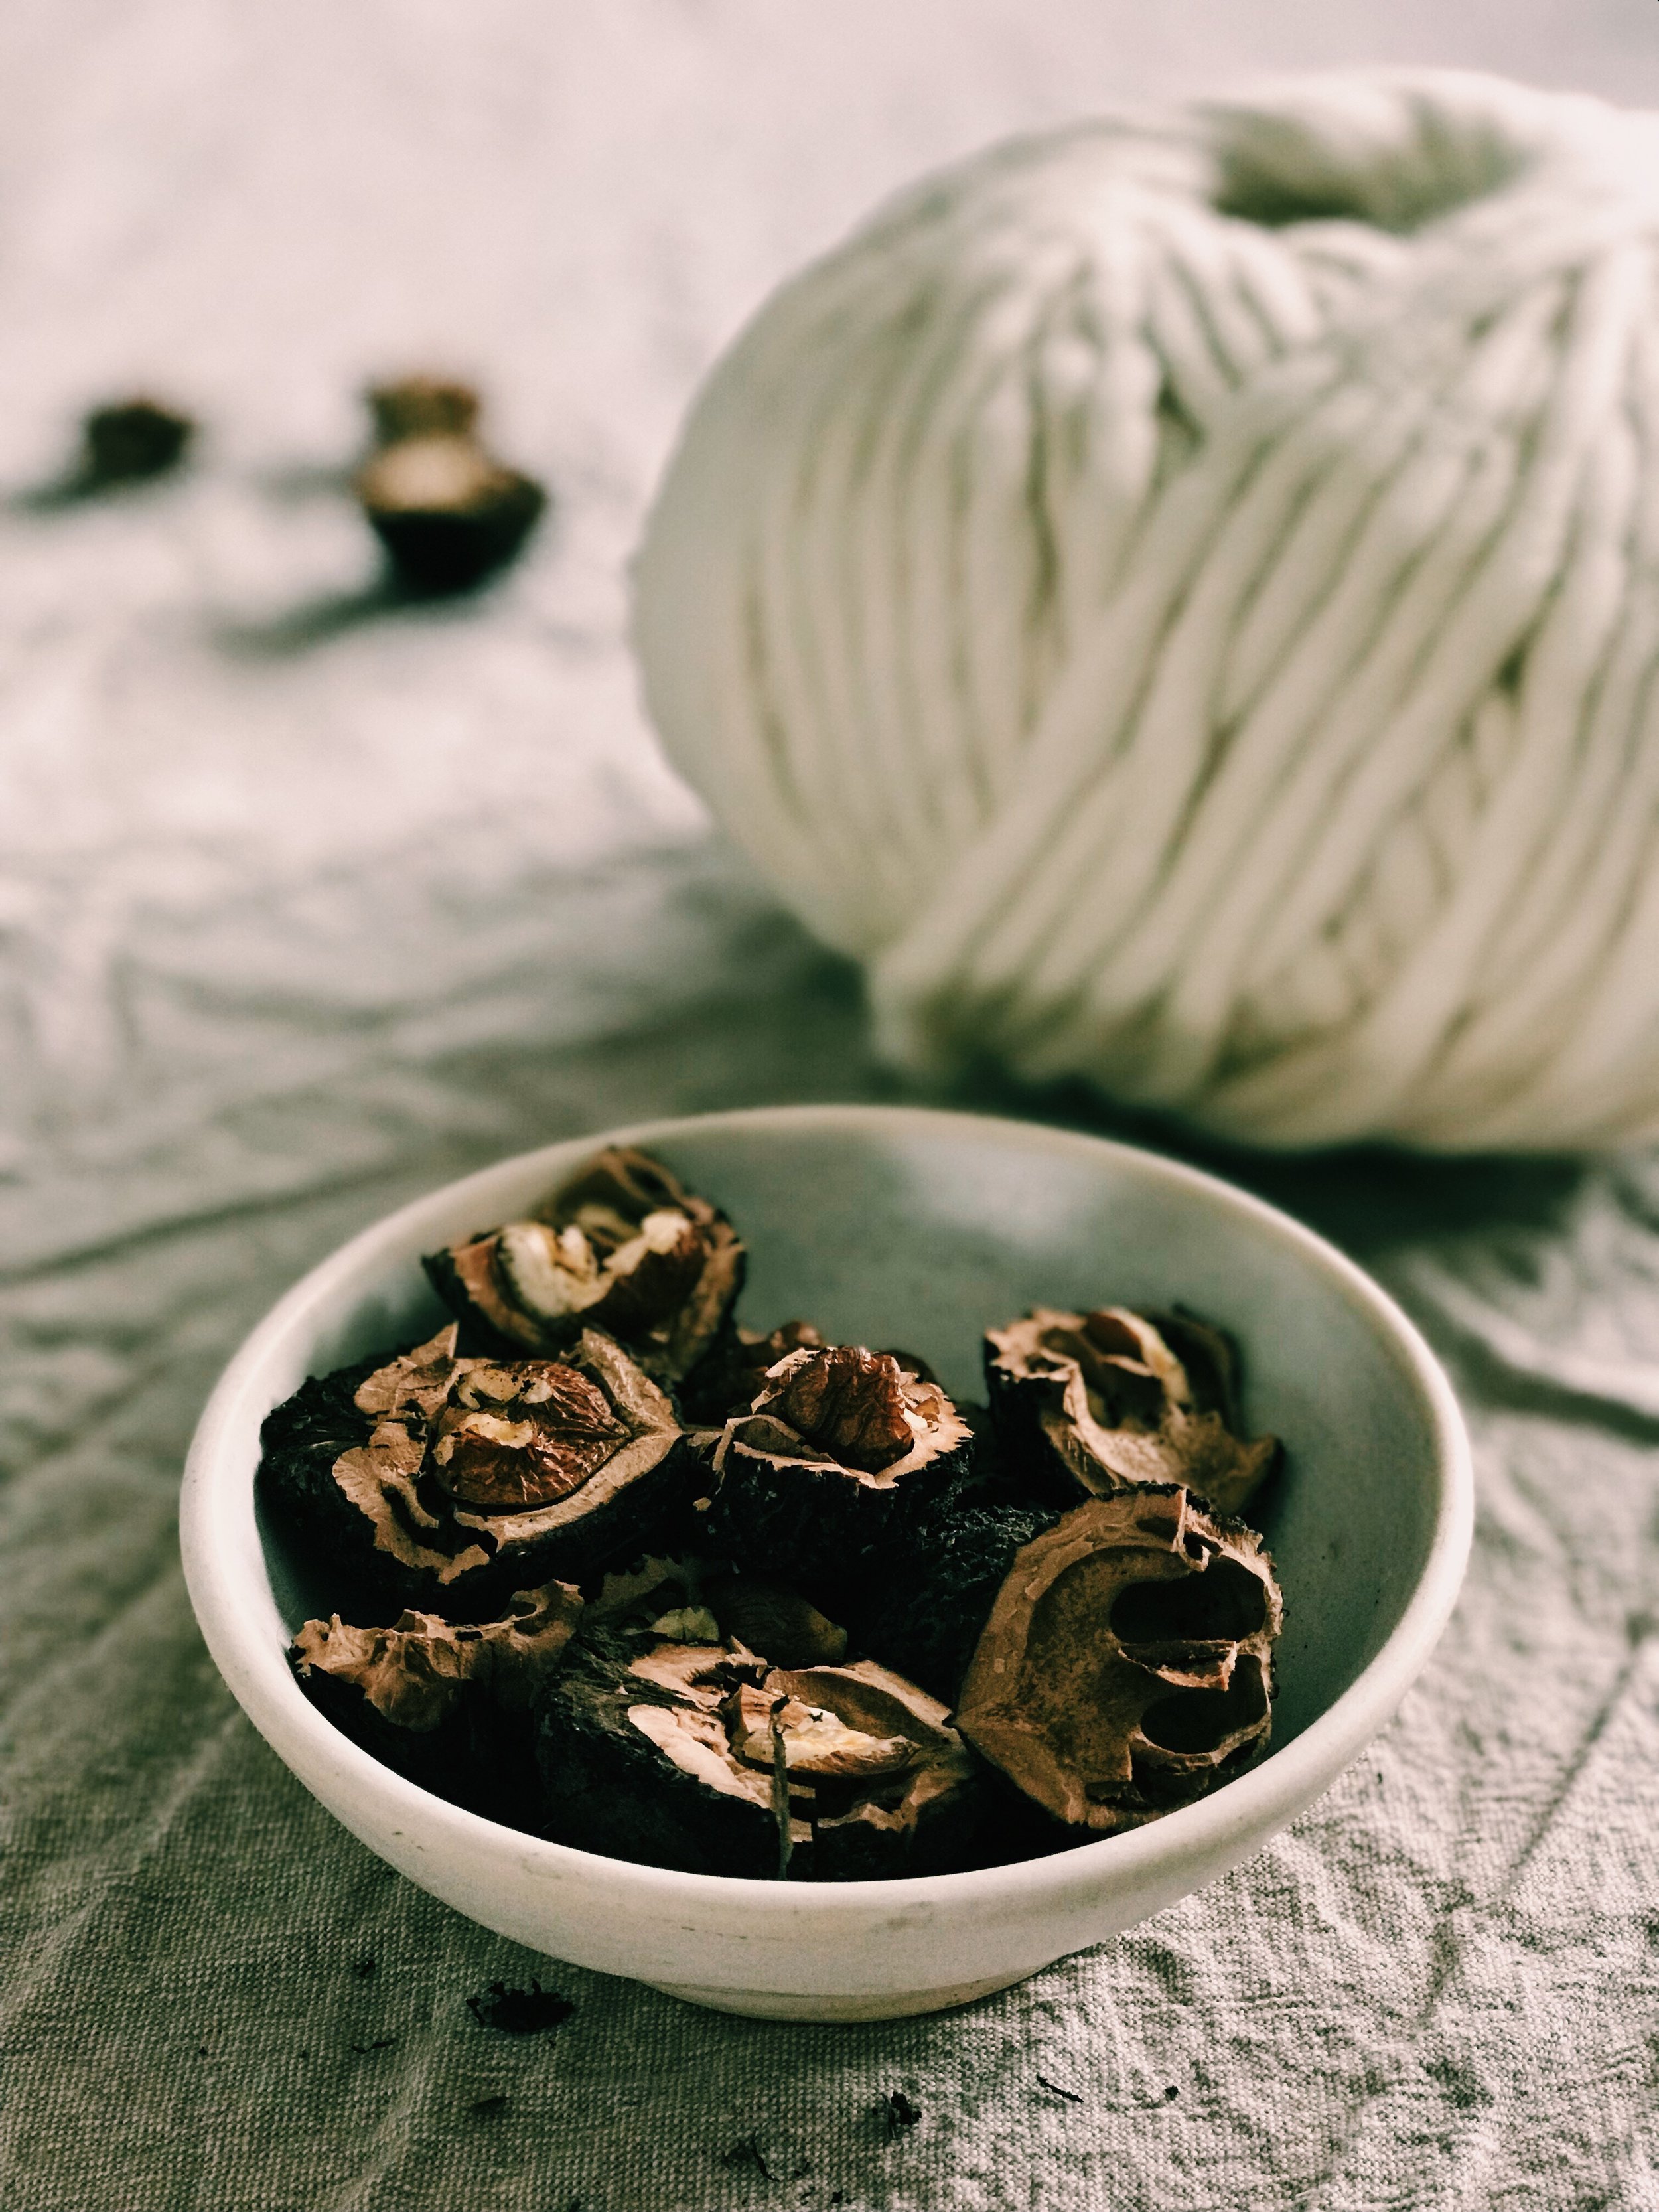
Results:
x,y
1275,172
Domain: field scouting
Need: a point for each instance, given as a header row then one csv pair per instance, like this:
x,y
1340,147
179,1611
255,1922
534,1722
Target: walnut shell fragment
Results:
x,y
841,1448
131,441
774,1621
1127,1665
447,512
636,1762
1085,1403
622,1247
694,1757
734,1373
894,1790
447,1482
924,1608
449,1707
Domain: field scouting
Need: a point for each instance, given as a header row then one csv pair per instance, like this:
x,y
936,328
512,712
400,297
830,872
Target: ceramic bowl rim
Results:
x,y
216,1491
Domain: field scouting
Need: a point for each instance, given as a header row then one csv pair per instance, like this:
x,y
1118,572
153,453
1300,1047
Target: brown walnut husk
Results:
x,y
841,1448
449,1707
773,1620
131,441
924,1604
421,407
447,512
734,1373
1085,1403
695,1757
622,1247
904,1798
1127,1665
445,1482
635,1760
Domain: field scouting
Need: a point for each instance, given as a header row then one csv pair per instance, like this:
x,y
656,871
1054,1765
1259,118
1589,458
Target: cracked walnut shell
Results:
x,y
1083,1403
694,1756
1127,1665
622,1247
445,1482
446,1706
841,1446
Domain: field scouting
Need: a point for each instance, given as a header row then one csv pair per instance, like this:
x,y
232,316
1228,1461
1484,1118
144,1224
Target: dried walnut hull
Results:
x,y
469,1759
622,1247
1126,1667
811,1524
130,442
698,1759
842,1451
441,549
363,1491
302,1439
926,1821
925,1607
447,1707
1085,1403
609,1787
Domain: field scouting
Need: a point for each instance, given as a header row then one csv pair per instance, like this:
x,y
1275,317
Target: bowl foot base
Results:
x,y
783,2004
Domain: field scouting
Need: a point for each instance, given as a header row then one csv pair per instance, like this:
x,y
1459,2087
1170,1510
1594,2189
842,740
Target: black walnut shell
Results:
x,y
672,1755
446,513
622,1246
1083,1403
446,1706
131,441
811,1507
1127,1666
352,1469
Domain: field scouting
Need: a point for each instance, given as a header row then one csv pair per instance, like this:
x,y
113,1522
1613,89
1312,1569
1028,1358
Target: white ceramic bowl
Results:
x,y
890,1224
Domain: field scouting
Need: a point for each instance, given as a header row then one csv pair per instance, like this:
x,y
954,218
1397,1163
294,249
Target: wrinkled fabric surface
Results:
x,y
309,902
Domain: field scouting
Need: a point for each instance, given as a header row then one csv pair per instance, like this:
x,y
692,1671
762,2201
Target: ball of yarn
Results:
x,y
1179,599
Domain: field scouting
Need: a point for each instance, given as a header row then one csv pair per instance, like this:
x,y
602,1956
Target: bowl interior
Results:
x,y
921,1229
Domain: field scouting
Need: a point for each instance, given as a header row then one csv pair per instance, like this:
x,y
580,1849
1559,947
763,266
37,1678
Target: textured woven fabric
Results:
x,y
307,905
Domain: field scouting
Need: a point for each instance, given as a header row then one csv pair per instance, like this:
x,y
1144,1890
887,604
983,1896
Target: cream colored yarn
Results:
x,y
1179,599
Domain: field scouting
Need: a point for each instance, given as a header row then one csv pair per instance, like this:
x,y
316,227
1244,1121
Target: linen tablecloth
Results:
x,y
309,902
